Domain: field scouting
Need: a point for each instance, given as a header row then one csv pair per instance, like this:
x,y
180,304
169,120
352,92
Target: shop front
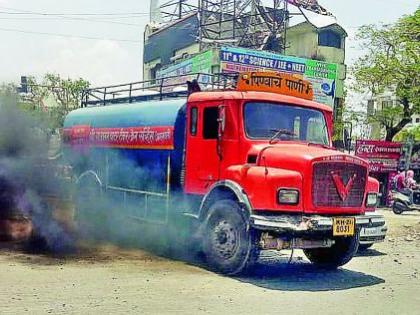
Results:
x,y
383,157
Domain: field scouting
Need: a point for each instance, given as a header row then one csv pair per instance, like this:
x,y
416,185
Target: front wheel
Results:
x,y
227,241
398,207
335,256
363,247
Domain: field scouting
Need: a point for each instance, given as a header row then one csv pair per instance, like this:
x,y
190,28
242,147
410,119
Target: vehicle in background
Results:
x,y
402,203
240,170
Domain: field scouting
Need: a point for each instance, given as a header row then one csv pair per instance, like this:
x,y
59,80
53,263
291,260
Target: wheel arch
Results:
x,y
89,175
225,189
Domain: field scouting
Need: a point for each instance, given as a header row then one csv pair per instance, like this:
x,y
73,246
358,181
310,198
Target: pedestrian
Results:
x,y
400,181
410,182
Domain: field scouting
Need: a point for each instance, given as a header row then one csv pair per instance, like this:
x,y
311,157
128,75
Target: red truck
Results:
x,y
249,170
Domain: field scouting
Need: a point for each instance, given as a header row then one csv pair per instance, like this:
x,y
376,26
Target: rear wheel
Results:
x,y
228,241
335,256
90,217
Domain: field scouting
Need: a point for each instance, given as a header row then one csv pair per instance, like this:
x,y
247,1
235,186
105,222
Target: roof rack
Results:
x,y
158,89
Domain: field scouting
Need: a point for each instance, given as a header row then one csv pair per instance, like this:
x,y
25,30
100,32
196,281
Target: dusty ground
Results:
x,y
384,280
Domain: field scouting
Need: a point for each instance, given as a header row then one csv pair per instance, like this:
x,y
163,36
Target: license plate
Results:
x,y
371,231
343,226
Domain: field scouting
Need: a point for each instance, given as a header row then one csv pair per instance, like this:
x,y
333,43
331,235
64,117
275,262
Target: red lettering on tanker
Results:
x,y
151,137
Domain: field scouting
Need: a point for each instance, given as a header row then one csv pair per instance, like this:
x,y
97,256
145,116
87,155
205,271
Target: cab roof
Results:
x,y
260,96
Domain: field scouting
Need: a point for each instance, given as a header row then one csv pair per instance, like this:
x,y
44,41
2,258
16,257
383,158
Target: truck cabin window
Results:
x,y
285,123
193,121
210,126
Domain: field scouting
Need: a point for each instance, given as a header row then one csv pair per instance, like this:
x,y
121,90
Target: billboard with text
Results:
x,y
322,75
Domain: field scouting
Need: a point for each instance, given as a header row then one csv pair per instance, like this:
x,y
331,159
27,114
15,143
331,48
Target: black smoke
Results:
x,y
27,175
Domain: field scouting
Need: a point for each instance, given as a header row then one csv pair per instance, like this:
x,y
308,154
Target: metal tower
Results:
x,y
257,24
177,9
253,24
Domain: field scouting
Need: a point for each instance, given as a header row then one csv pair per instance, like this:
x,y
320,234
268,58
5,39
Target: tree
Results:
x,y
67,94
391,63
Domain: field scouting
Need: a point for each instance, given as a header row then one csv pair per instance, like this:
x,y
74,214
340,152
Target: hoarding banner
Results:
x,y
378,149
322,75
275,82
383,156
200,63
310,5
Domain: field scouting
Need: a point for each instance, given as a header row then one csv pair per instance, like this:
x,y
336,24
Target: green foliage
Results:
x,y
391,63
409,133
64,94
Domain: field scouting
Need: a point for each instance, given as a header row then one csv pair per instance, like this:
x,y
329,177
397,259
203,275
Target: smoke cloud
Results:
x,y
28,182
27,176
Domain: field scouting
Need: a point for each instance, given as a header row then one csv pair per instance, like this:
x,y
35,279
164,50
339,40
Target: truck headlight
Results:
x,y
371,200
288,196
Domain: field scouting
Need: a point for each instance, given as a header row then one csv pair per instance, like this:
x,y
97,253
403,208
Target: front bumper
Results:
x,y
301,224
370,235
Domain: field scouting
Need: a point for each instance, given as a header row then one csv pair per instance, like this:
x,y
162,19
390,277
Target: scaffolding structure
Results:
x,y
256,24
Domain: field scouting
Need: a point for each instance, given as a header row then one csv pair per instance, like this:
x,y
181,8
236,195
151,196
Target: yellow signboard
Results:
x,y
275,82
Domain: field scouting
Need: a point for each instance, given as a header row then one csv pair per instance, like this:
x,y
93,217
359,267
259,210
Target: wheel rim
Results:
x,y
225,239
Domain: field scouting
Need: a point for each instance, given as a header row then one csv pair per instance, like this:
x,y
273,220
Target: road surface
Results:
x,y
110,280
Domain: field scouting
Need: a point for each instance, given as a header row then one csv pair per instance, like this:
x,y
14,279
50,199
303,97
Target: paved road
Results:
x,y
383,280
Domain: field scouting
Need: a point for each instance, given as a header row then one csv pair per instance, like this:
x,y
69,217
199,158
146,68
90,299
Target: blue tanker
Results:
x,y
132,143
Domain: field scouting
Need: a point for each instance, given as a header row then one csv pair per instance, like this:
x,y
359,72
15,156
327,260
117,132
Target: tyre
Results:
x,y
228,242
398,207
90,217
335,256
363,247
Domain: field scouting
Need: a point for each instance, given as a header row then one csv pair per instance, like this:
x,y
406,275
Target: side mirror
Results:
x,y
221,124
347,139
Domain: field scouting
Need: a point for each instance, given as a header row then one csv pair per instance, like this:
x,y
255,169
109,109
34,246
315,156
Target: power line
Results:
x,y
21,12
68,35
69,16
72,19
47,18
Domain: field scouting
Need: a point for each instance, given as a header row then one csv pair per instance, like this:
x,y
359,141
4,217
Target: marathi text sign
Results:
x,y
322,75
148,137
378,149
383,156
281,83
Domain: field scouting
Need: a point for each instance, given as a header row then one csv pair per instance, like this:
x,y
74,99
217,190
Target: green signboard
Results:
x,y
200,63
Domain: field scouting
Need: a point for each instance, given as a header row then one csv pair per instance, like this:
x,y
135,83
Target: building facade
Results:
x,y
380,102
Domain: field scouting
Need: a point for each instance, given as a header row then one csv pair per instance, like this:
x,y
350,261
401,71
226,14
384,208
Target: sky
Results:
x,y
111,51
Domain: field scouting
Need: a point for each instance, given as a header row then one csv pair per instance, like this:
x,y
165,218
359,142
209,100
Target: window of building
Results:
x,y
329,38
154,71
417,120
387,103
210,124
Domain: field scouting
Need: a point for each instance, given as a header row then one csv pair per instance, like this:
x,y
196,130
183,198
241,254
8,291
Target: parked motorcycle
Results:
x,y
402,203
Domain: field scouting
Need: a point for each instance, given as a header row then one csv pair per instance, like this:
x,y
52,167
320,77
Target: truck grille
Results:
x,y
325,192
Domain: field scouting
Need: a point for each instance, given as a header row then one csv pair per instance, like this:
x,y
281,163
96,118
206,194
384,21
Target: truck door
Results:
x,y
202,160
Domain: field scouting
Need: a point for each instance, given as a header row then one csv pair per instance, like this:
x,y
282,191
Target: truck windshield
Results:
x,y
285,123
